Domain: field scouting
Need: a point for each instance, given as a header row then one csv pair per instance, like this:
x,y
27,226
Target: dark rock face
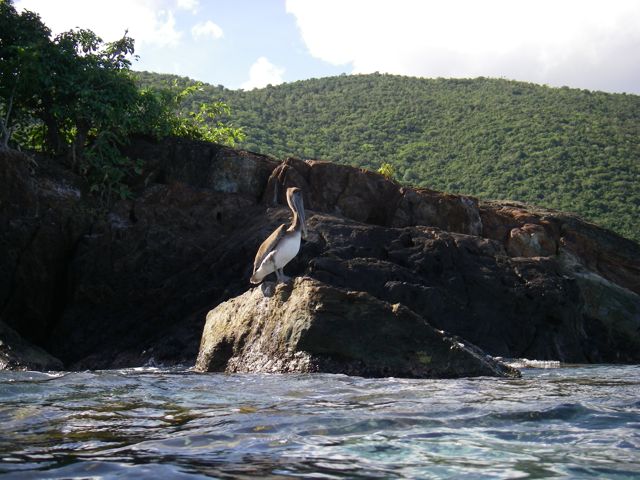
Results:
x,y
532,307
521,283
151,279
203,165
18,354
42,219
307,326
134,287
155,266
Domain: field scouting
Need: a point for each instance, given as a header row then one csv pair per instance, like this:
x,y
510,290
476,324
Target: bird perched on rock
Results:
x,y
283,244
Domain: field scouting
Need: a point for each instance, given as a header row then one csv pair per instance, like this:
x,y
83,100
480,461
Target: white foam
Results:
x,y
526,363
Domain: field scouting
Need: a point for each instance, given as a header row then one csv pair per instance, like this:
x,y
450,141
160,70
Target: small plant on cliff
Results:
x,y
387,170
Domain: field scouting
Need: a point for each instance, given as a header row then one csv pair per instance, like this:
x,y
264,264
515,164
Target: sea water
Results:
x,y
569,421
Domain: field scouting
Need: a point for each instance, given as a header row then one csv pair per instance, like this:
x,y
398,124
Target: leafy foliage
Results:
x,y
574,150
74,96
174,113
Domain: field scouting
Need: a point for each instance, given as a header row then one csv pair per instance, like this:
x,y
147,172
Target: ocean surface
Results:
x,y
569,421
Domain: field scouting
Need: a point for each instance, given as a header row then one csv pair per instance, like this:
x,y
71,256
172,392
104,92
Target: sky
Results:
x,y
249,44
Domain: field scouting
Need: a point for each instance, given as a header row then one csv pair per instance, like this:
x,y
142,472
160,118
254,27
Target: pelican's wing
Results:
x,y
268,245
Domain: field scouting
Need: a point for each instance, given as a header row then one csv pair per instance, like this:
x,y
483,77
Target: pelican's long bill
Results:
x,y
299,204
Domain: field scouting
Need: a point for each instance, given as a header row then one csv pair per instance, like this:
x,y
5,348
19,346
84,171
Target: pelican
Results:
x,y
283,244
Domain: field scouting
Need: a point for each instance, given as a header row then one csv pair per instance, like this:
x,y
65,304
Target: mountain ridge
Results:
x,y
561,148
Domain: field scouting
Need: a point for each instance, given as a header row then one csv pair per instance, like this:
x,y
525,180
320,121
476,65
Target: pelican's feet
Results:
x,y
268,288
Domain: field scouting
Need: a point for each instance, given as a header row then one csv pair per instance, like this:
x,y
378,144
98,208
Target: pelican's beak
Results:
x,y
301,214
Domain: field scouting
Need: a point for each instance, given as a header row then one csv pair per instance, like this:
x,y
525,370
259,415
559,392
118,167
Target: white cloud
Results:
x,y
584,43
147,21
263,73
191,5
206,29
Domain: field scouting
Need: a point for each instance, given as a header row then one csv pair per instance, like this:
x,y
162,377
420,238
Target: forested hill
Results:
x,y
562,148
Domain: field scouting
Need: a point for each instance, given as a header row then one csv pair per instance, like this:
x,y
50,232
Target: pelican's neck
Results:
x,y
296,224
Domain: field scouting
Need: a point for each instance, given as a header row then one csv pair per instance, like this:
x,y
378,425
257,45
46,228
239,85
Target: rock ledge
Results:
x,y
308,326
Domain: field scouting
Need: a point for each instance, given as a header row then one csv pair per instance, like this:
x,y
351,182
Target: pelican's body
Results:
x,y
283,244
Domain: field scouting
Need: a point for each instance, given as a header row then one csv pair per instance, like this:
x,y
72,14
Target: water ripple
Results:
x,y
573,422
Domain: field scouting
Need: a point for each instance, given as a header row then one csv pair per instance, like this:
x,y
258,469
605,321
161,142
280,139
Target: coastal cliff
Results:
x,y
134,286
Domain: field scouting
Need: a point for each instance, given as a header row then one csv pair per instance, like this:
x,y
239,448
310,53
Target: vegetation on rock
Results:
x,y
74,96
562,148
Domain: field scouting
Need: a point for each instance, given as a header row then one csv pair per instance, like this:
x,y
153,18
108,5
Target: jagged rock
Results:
x,y
307,326
18,354
135,285
371,198
508,306
530,240
609,255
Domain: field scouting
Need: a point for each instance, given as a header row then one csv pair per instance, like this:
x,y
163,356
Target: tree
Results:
x,y
24,41
74,97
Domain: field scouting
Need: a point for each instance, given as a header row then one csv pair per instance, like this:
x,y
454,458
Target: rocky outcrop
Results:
x,y
134,286
371,198
18,354
142,280
533,307
130,287
552,233
308,326
523,230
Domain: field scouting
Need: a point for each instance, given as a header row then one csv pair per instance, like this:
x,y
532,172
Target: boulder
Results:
x,y
308,326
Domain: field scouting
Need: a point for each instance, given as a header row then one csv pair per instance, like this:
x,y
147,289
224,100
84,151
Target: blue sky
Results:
x,y
251,30
248,44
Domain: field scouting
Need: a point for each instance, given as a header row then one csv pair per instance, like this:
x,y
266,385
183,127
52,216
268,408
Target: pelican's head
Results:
x,y
296,204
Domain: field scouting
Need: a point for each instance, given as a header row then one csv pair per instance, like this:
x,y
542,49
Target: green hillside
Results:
x,y
573,150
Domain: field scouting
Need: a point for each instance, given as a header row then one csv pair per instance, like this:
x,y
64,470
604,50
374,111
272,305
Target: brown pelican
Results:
x,y
283,244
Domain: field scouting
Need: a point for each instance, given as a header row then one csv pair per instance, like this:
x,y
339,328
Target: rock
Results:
x,y
530,240
308,326
142,281
203,165
369,197
614,258
354,193
134,286
79,287
42,217
509,306
18,354
453,213
610,313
